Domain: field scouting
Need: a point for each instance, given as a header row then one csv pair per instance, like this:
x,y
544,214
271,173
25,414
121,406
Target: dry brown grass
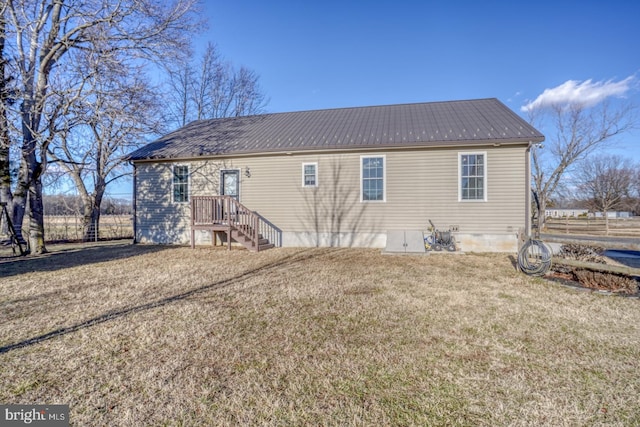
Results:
x,y
139,335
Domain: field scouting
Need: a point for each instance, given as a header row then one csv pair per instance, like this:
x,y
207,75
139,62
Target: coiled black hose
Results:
x,y
534,258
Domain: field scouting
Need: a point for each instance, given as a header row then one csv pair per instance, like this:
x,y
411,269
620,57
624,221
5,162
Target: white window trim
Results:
x,y
384,178
316,173
173,200
485,176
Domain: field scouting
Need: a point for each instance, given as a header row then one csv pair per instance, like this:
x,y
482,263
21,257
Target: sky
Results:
x,y
332,54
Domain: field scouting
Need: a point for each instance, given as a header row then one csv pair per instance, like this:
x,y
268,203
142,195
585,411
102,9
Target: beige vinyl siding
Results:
x,y
420,185
158,218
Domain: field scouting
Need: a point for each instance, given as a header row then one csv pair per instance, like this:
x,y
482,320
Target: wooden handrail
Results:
x,y
227,212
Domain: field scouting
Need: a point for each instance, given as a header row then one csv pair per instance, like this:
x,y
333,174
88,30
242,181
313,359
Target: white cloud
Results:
x,y
587,93
515,95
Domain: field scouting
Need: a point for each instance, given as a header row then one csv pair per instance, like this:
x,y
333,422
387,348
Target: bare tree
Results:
x,y
206,87
44,32
111,112
5,168
246,93
634,200
213,88
180,105
606,181
578,131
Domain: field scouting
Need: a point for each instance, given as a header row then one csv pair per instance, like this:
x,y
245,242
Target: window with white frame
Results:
x,y
473,176
180,184
309,174
372,177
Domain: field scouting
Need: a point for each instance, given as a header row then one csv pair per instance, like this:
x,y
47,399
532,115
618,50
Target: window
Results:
x,y
181,184
372,178
309,174
473,176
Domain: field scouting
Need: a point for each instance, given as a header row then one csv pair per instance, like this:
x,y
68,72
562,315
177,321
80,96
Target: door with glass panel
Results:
x,y
230,181
230,186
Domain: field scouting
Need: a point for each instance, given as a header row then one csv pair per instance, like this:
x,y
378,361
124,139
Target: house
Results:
x,y
613,214
565,212
340,177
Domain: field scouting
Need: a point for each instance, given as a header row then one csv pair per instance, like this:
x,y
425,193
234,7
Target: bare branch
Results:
x,y
45,33
577,133
215,90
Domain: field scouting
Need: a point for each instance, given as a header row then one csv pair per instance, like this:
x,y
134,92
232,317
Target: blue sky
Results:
x,y
327,54
330,54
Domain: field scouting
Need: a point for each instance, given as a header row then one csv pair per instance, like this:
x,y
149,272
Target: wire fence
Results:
x,y
63,228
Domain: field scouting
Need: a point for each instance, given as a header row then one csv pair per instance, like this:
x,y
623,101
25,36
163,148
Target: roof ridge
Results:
x,y
193,122
469,122
372,106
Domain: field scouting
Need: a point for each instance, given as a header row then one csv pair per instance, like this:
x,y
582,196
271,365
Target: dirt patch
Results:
x,y
592,278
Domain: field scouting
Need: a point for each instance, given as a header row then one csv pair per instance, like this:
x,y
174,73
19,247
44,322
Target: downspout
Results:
x,y
527,203
134,203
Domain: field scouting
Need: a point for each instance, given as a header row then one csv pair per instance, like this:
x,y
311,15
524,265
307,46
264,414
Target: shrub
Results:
x,y
606,281
582,253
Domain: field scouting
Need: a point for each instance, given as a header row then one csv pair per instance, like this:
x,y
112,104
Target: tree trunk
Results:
x,y
606,222
542,207
19,199
90,222
29,189
91,216
5,169
5,166
36,218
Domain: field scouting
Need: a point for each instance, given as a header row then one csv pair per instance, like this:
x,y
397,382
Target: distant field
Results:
x,y
629,227
69,227
156,335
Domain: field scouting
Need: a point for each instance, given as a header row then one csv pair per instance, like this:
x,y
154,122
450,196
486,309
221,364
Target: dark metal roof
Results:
x,y
473,122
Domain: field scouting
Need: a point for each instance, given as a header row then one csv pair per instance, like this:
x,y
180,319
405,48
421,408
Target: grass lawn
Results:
x,y
147,335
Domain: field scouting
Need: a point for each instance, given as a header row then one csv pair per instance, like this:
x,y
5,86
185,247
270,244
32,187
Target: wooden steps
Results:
x,y
243,236
225,214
